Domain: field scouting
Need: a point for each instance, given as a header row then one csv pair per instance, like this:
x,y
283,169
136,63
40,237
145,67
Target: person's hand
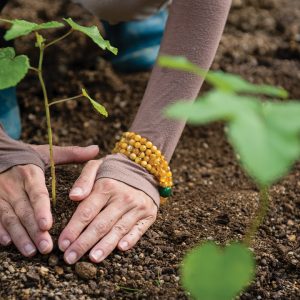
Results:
x,y
25,213
111,214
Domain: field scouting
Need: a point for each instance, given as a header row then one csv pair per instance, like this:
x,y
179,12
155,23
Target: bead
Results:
x,y
136,151
158,153
146,158
148,167
132,156
142,155
143,141
137,160
148,152
137,137
165,192
169,174
132,142
143,163
143,148
137,145
122,151
153,149
149,144
129,148
124,145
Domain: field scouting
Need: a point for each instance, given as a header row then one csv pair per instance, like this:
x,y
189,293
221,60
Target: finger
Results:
x,y
66,155
25,214
85,182
134,235
38,195
5,238
99,227
13,226
117,232
86,211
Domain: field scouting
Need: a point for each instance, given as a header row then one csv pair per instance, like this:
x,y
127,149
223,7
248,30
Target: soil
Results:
x,y
213,199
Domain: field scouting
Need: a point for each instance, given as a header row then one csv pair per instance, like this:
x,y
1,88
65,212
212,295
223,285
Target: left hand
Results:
x,y
111,214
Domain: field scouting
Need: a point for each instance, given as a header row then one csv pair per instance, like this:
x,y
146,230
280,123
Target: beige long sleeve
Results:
x,y
194,30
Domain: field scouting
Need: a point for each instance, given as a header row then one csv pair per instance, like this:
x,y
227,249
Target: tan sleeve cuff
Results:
x,y
119,167
13,153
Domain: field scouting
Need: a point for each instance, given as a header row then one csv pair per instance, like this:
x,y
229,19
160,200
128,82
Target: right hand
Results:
x,y
25,212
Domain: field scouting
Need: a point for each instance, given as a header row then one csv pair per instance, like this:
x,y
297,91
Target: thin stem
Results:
x,y
259,216
34,69
48,117
59,39
66,99
6,21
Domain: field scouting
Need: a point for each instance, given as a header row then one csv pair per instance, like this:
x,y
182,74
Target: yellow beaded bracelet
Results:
x,y
144,153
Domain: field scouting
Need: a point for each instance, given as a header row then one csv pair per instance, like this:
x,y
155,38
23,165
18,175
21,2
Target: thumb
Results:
x,y
67,155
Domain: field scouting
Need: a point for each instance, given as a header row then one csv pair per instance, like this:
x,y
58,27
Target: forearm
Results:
x,y
193,30
14,153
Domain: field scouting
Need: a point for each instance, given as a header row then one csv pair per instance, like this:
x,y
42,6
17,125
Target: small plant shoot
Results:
x,y
13,68
265,134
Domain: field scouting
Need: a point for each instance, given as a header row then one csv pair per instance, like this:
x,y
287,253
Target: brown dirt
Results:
x,y
213,199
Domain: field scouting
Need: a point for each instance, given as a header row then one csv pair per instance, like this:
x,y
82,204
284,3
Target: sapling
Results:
x,y
265,134
14,68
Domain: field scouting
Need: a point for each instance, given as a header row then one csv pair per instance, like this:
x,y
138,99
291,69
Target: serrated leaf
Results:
x,y
212,273
223,81
12,68
264,134
22,28
98,107
93,33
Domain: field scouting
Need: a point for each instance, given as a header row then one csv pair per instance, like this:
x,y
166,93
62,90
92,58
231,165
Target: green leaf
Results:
x,y
94,34
99,108
264,134
22,28
212,273
12,68
180,63
234,83
223,81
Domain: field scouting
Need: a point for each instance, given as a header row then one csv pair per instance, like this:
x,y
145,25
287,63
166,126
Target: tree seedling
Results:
x,y
265,134
14,68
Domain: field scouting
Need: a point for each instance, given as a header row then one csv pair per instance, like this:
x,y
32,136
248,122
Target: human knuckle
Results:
x,y
108,184
82,246
82,180
85,214
128,199
10,220
120,228
100,228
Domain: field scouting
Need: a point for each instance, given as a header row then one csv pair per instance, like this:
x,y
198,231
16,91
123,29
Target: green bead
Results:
x,y
165,192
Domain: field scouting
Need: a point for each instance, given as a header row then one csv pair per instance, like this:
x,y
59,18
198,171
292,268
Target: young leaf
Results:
x,y
22,27
212,273
99,108
223,81
265,135
94,34
13,68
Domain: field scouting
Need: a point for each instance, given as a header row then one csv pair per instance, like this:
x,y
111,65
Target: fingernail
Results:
x,y
43,224
5,240
71,257
76,192
124,245
64,245
93,147
29,249
43,246
96,255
